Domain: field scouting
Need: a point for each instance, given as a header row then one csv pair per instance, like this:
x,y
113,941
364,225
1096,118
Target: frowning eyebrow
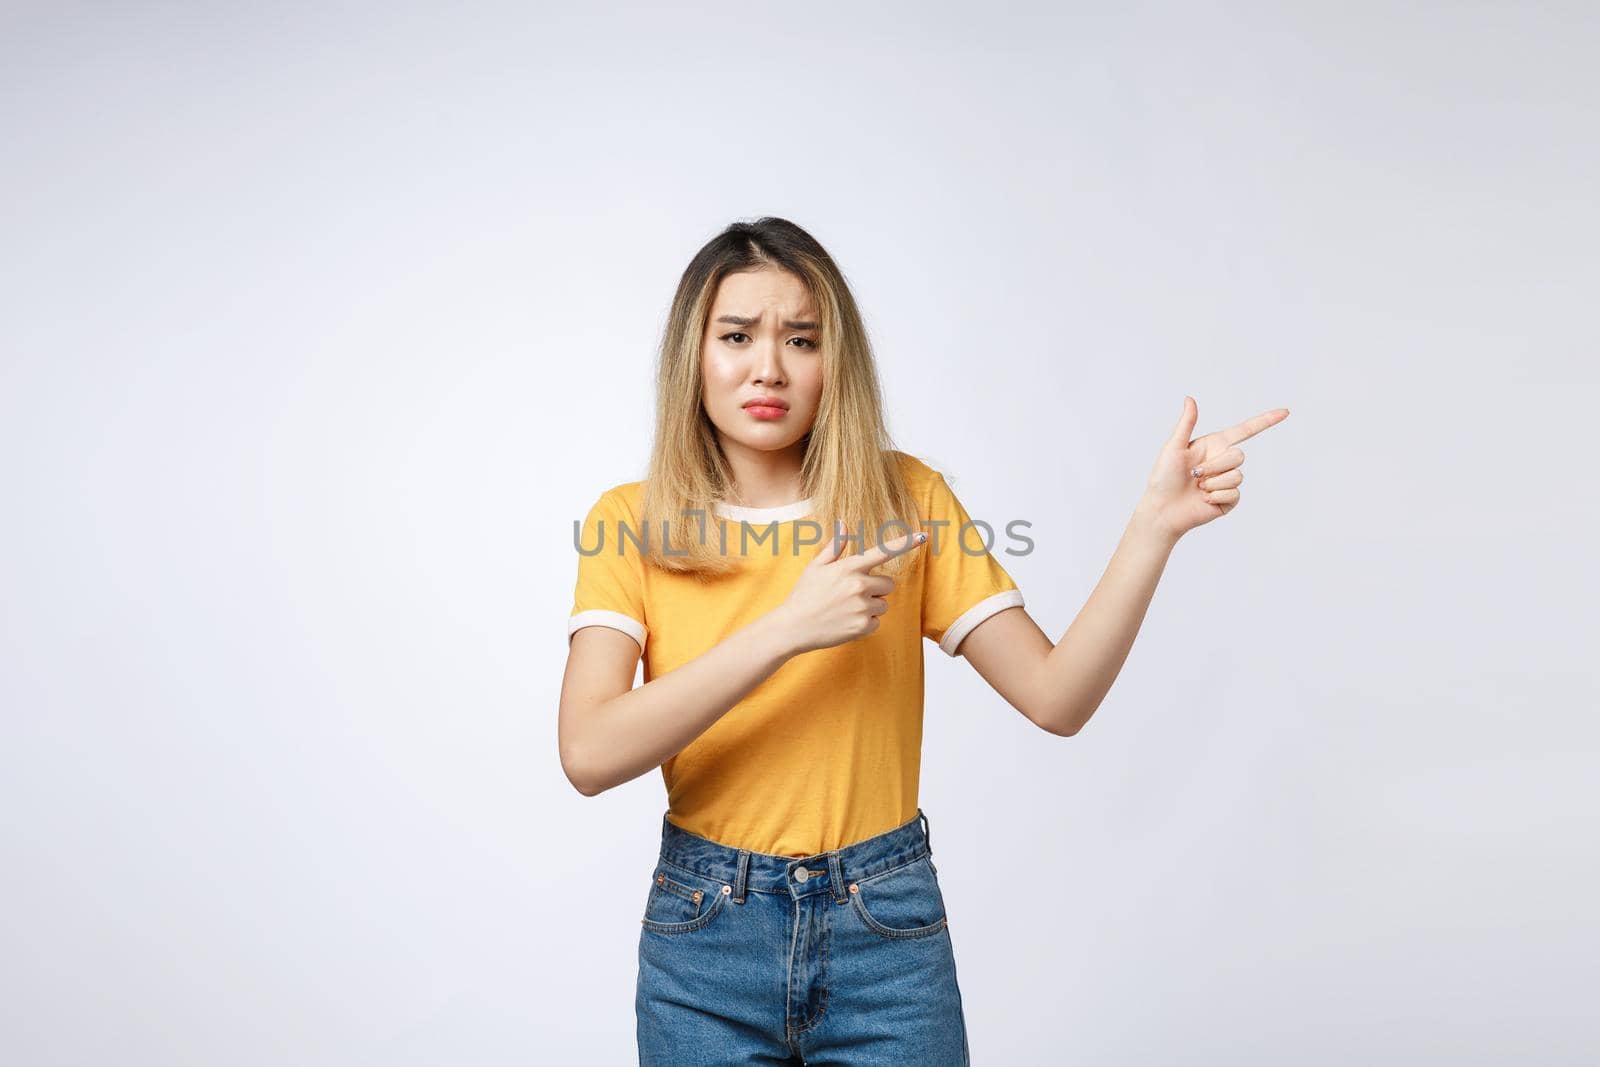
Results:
x,y
740,320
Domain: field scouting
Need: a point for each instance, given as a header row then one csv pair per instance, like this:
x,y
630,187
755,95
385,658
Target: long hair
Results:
x,y
851,470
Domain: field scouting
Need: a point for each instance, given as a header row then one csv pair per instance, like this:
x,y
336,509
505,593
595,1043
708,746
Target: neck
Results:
x,y
765,479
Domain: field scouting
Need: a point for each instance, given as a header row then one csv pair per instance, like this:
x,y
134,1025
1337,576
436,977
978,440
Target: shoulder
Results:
x,y
932,487
628,495
917,473
624,495
923,480
621,499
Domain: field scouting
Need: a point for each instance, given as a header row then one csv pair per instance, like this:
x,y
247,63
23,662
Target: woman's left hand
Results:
x,y
1196,481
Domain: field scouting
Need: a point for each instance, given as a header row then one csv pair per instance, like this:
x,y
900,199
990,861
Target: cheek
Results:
x,y
718,374
809,383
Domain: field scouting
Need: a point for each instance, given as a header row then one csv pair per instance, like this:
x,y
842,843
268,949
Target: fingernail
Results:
x,y
921,537
1195,473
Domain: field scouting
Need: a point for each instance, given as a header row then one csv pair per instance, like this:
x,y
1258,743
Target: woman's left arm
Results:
x,y
1058,687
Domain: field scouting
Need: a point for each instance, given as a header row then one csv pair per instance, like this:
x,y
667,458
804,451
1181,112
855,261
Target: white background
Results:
x,y
323,322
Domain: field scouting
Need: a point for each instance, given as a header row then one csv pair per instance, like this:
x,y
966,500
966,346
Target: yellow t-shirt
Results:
x,y
827,751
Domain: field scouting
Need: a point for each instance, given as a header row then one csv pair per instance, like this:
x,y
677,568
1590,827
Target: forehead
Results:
x,y
749,292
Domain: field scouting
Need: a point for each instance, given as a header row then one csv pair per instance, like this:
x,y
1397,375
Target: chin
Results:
x,y
766,443
769,438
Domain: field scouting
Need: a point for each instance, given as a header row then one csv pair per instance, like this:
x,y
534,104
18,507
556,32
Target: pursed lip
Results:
x,y
767,402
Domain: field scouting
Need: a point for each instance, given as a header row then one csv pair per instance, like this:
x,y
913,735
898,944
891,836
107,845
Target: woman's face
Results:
x,y
761,341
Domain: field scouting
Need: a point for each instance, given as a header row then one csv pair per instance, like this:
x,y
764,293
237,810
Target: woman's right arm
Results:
x,y
611,733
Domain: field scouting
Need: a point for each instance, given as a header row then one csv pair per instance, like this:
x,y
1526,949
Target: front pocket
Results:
x,y
904,902
680,902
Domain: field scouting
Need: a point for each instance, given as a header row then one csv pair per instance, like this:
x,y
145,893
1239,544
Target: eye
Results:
x,y
805,342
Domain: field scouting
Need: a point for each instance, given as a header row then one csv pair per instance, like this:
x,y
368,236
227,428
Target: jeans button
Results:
x,y
801,874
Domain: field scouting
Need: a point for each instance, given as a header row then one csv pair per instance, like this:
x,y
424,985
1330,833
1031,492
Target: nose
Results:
x,y
768,366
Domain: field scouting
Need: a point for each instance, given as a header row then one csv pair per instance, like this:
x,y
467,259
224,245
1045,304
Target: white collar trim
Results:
x,y
779,513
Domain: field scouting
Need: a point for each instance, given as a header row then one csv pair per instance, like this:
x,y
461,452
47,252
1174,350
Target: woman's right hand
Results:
x,y
835,600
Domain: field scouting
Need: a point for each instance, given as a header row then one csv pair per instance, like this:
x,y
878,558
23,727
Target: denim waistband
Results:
x,y
764,872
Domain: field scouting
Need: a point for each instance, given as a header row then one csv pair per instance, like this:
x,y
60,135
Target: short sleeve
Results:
x,y
610,587
964,583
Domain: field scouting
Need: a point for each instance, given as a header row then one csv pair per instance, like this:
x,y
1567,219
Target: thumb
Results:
x,y
1184,431
831,545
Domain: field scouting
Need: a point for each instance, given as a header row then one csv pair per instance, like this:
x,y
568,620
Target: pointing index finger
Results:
x,y
894,546
1250,427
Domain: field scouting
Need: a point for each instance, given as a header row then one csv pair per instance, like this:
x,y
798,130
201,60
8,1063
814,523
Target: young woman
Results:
x,y
777,570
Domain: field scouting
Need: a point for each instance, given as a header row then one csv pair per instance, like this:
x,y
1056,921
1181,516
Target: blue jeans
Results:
x,y
841,958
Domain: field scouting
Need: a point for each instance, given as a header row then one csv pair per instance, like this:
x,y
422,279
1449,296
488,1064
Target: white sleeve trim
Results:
x,y
614,619
1010,598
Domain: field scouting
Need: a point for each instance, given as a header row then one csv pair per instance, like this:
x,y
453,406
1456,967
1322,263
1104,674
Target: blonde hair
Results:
x,y
851,470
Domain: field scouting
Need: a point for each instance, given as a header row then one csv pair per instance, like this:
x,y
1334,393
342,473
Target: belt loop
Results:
x,y
740,876
836,875
925,832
